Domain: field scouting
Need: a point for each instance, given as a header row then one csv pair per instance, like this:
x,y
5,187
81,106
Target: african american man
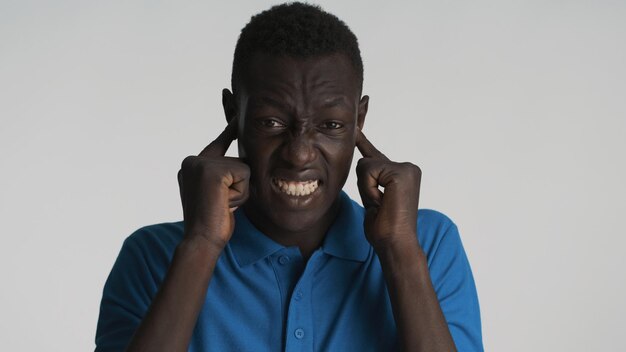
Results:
x,y
272,255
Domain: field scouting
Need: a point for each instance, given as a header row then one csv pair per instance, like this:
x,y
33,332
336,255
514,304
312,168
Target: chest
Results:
x,y
281,303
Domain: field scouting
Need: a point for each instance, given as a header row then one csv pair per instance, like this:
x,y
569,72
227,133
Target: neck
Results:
x,y
307,239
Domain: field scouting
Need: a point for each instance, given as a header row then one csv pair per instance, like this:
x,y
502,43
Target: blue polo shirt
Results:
x,y
264,297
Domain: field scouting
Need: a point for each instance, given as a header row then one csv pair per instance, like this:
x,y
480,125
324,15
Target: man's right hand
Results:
x,y
212,186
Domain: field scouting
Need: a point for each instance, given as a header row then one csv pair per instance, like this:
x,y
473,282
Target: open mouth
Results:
x,y
296,188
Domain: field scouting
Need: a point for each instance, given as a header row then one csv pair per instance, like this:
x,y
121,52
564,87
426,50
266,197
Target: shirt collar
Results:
x,y
345,239
248,243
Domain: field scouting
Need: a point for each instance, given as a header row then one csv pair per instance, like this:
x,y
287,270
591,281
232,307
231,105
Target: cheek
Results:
x,y
340,155
258,153
348,144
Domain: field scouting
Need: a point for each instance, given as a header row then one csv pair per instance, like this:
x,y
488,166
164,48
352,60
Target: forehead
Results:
x,y
331,74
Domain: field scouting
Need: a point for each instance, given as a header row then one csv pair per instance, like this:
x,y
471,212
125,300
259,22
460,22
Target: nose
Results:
x,y
299,150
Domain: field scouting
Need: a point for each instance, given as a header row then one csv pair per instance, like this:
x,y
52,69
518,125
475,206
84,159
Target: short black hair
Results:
x,y
297,30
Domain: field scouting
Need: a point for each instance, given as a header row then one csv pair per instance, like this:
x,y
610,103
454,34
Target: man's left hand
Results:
x,y
391,214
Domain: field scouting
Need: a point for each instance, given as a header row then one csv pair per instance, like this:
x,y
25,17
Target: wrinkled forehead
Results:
x,y
325,74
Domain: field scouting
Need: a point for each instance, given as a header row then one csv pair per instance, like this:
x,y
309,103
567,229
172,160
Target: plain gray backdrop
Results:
x,y
514,110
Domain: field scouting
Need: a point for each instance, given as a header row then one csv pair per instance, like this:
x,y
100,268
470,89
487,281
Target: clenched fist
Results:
x,y
212,186
391,215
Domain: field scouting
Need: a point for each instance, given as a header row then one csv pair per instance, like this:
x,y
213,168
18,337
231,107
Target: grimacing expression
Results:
x,y
298,122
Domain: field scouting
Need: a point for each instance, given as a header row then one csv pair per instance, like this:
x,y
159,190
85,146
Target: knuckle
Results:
x,y
245,169
411,172
188,162
412,168
362,164
238,169
197,167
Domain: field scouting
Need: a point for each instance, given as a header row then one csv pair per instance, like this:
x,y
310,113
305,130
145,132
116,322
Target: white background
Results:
x,y
514,110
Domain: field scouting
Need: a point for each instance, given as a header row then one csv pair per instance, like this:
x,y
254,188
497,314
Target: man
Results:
x,y
272,255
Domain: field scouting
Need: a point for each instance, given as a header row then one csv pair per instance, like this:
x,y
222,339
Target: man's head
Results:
x,y
297,80
296,30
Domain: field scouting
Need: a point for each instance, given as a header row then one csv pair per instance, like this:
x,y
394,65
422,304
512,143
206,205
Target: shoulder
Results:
x,y
433,219
163,237
151,247
437,233
143,261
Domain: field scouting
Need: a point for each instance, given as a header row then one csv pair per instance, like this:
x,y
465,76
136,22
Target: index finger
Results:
x,y
367,149
220,145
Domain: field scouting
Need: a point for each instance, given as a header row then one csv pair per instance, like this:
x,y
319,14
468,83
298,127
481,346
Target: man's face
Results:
x,y
298,122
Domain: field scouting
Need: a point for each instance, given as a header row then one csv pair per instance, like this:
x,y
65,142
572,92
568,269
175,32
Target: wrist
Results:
x,y
201,234
200,246
396,244
401,255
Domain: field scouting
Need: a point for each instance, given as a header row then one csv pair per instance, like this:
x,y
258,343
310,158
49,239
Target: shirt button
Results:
x,y
283,259
298,295
299,334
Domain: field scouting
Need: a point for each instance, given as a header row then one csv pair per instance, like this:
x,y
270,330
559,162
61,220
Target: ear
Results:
x,y
363,104
229,104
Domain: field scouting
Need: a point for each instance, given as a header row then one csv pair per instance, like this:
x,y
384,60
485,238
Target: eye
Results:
x,y
332,125
271,123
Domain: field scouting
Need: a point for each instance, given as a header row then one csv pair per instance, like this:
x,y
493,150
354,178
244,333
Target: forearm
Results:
x,y
420,322
170,321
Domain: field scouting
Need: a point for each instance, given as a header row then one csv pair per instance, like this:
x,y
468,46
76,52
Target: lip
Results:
x,y
299,181
297,177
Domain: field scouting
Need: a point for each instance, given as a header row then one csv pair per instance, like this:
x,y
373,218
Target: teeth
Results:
x,y
298,189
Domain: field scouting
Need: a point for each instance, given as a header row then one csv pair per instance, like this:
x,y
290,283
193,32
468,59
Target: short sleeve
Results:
x,y
454,285
132,284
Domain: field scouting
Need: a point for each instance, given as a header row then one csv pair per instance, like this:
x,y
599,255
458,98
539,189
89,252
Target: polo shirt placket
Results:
x,y
299,327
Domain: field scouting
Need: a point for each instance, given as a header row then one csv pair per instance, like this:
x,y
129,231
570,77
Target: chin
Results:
x,y
296,224
296,218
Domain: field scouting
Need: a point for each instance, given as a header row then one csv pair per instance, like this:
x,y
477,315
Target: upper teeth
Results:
x,y
294,188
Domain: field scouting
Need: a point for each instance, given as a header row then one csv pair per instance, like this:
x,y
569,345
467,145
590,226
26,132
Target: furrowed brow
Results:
x,y
267,101
340,101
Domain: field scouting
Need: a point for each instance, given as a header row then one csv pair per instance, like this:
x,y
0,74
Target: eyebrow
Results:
x,y
265,100
339,101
